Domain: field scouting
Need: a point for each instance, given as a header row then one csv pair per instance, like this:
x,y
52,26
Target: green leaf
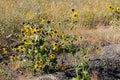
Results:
x,y
41,42
46,69
42,50
73,78
77,78
88,78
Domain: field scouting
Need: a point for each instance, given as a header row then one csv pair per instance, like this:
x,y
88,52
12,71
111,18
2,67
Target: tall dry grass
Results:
x,y
92,13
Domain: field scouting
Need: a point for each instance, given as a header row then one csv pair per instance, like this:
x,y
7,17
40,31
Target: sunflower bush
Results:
x,y
41,45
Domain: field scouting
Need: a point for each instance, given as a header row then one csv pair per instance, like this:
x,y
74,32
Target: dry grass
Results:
x,y
96,36
92,13
14,12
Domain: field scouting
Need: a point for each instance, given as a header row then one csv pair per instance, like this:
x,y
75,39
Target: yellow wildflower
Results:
x,y
33,31
55,32
55,45
27,42
118,9
42,20
4,50
97,48
52,56
26,30
30,28
21,48
25,26
12,58
41,61
36,67
37,29
63,36
109,6
75,15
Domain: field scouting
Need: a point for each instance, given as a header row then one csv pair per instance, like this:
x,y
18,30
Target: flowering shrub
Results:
x,y
41,46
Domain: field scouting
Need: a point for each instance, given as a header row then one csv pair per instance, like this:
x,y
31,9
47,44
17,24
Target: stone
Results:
x,y
54,76
106,63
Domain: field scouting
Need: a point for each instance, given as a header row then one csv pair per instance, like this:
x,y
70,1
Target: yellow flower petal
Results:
x,y
21,48
41,61
63,36
55,32
118,9
75,15
12,58
4,50
55,45
98,48
36,67
52,56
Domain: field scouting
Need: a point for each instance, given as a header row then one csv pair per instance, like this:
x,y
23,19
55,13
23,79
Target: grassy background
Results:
x,y
92,13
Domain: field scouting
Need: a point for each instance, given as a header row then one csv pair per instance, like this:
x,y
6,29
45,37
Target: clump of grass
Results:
x,y
91,13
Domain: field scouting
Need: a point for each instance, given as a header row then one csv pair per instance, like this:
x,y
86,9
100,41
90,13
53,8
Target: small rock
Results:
x,y
54,76
107,63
